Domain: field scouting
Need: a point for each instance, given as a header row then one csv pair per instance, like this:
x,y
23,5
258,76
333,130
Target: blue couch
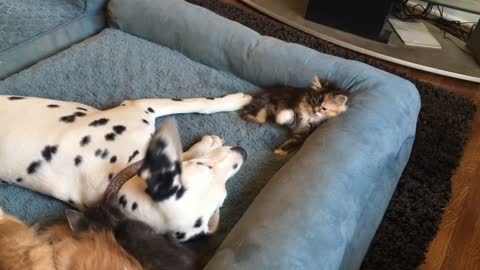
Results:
x,y
317,209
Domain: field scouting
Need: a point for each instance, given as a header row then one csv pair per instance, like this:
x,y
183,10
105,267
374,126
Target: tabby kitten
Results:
x,y
300,109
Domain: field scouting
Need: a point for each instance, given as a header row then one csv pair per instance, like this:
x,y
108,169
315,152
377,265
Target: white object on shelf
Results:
x,y
415,34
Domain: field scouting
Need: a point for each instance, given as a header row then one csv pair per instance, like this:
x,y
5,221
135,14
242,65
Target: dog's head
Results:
x,y
184,195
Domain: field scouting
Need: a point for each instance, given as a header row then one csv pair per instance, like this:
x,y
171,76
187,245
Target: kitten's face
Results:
x,y
327,105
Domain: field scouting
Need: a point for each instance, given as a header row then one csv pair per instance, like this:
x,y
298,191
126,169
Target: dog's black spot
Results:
x,y
177,99
119,129
198,223
134,154
235,166
68,118
99,122
49,151
77,160
150,110
3,182
80,114
98,152
70,201
203,164
85,140
33,167
160,145
110,136
15,98
53,106
113,159
19,180
180,193
104,154
122,201
110,177
146,112
211,98
81,109
180,235
134,206
145,121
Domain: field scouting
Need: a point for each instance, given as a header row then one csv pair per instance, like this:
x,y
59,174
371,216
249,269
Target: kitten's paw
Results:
x,y
280,152
285,117
249,117
238,100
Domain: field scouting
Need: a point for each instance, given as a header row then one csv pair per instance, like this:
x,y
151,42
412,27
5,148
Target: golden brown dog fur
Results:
x,y
57,248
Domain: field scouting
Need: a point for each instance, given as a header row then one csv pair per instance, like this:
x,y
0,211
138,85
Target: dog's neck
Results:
x,y
137,204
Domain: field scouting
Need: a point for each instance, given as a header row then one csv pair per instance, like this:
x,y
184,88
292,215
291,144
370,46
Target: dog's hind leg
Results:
x,y
162,107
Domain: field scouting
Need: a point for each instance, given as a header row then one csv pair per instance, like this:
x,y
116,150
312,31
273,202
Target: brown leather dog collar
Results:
x,y
120,179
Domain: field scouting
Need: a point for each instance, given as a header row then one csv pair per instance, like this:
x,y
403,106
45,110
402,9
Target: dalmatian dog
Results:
x,y
71,152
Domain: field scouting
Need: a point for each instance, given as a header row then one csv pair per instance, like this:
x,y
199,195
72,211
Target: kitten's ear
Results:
x,y
316,84
340,100
76,220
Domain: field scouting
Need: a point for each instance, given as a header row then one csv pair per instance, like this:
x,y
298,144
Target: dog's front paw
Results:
x,y
211,141
238,100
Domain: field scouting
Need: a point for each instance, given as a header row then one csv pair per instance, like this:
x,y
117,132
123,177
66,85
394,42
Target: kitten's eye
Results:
x,y
324,109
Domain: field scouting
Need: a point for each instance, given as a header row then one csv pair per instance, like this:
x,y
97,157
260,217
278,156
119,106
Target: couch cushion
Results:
x,y
322,209
32,30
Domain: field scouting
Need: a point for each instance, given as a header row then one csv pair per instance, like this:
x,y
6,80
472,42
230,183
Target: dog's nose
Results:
x,y
241,151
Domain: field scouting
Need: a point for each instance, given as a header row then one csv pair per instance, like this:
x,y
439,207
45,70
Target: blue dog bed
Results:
x,y
316,209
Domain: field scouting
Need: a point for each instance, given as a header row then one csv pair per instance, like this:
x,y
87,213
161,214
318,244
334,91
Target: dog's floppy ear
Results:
x,y
162,165
77,220
214,221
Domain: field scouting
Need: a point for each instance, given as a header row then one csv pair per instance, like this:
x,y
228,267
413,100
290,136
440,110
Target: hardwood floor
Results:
x,y
457,244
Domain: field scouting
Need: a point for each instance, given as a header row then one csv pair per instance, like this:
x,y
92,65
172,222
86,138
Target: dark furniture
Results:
x,y
362,18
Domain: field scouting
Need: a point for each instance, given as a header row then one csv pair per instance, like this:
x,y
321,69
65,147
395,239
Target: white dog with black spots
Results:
x,y
71,151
